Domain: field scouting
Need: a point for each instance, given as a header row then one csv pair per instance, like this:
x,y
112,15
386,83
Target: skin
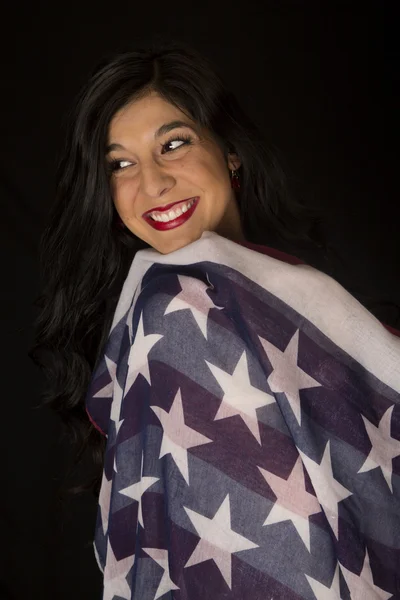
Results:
x,y
152,174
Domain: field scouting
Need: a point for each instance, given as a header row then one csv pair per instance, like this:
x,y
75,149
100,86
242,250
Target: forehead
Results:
x,y
142,117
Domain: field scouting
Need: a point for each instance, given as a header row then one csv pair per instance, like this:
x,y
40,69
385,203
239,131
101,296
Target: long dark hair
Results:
x,y
84,255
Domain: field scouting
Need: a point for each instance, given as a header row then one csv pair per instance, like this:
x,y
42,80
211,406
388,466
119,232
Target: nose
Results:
x,y
154,180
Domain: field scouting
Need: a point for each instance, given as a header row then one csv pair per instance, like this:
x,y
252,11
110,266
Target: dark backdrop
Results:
x,y
315,79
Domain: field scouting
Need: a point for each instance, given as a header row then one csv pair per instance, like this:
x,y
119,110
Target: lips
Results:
x,y
165,226
164,208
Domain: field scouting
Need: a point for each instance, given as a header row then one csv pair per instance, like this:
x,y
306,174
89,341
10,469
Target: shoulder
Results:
x,y
274,253
293,260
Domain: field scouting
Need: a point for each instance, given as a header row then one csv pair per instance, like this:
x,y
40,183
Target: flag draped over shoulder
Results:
x,y
252,415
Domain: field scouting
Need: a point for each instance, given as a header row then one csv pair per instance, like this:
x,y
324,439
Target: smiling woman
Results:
x,y
168,190
240,406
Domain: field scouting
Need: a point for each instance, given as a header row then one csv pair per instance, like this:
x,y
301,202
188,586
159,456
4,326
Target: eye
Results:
x,y
182,138
118,165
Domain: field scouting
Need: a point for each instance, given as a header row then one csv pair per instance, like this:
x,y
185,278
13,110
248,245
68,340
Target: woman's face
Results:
x,y
153,170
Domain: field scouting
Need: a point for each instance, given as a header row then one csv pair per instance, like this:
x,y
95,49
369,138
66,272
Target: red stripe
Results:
x,y
93,423
391,329
278,254
293,260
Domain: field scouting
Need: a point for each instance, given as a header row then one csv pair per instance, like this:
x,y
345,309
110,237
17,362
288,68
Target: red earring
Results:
x,y
235,181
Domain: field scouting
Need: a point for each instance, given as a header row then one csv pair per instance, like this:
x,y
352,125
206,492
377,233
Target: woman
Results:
x,y
235,399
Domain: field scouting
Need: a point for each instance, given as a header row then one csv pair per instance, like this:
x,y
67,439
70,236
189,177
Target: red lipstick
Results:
x,y
163,208
165,226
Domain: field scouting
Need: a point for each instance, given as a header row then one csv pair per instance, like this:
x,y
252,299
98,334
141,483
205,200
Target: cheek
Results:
x,y
210,169
218,178
124,193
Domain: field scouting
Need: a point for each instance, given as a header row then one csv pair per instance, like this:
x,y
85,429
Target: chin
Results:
x,y
176,245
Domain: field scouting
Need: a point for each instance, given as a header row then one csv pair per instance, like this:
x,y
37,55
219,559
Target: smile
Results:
x,y
169,219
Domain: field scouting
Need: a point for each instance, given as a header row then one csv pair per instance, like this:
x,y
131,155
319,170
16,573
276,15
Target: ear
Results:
x,y
233,161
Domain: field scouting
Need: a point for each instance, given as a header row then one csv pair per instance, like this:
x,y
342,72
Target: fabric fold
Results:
x,y
251,409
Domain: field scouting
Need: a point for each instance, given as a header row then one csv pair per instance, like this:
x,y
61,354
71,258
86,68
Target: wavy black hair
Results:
x,y
84,256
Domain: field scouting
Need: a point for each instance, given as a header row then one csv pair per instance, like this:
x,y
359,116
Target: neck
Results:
x,y
231,227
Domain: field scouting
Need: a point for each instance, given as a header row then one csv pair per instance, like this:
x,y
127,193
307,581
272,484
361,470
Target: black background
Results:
x,y
318,79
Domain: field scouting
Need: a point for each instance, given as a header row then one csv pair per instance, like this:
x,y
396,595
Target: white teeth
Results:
x,y
172,214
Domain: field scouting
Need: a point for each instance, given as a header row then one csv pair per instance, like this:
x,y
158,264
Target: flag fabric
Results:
x,y
252,415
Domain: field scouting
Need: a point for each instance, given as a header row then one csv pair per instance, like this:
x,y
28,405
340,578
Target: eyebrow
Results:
x,y
166,128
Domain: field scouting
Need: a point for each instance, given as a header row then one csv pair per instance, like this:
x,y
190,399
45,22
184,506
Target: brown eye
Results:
x,y
183,138
118,165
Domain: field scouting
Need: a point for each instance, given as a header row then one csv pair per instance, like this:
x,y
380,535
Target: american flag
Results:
x,y
251,409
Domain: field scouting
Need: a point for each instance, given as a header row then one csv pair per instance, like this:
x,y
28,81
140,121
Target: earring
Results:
x,y
235,181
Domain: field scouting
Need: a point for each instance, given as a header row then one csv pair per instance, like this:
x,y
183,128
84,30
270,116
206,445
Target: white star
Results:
x,y
178,437
193,297
218,541
115,572
137,363
362,586
116,409
293,502
97,557
286,376
107,390
329,491
138,355
136,491
384,447
240,397
104,500
112,390
161,558
116,413
129,318
321,592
